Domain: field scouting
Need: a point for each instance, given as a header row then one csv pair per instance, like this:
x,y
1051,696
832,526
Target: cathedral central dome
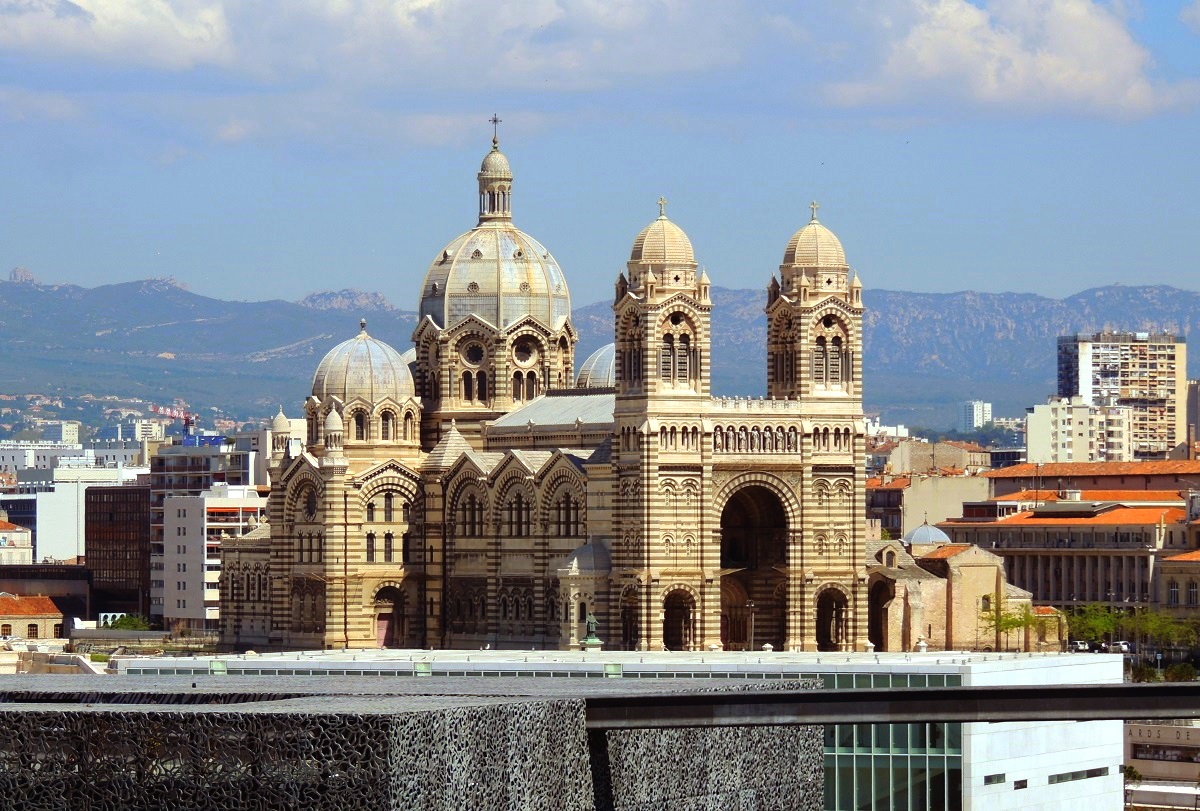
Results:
x,y
495,271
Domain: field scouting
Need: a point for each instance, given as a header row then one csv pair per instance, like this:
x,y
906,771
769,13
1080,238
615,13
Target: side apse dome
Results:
x,y
599,371
814,245
495,271
365,368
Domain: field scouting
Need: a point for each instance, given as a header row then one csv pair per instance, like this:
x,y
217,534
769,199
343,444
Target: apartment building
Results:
x,y
973,414
1144,371
1072,429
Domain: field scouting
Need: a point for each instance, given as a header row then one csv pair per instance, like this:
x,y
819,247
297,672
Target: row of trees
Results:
x,y
1095,622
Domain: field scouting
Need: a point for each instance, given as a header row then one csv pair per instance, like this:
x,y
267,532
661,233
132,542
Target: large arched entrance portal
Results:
x,y
833,620
397,617
754,535
679,611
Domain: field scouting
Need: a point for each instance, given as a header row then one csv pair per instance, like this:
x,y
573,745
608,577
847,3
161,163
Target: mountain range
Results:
x,y
924,351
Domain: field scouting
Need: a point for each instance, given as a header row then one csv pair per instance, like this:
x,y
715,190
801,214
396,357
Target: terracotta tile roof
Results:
x,y
27,607
1186,557
970,447
1113,517
1095,495
1044,611
8,526
1069,469
947,551
895,484
1029,495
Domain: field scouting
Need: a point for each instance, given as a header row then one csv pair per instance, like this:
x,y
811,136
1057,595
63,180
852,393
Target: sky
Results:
x,y
256,149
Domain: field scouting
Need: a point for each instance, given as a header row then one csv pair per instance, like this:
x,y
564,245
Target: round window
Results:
x,y
525,351
473,354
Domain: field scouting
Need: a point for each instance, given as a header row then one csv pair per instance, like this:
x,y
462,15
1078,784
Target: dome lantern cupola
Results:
x,y
495,182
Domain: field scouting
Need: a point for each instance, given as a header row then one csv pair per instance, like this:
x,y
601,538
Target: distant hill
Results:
x,y
924,351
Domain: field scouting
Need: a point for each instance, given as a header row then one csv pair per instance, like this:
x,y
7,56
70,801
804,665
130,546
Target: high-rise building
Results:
x,y
973,414
1143,371
1070,429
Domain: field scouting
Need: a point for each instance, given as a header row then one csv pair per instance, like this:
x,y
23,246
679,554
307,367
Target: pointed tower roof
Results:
x,y
451,446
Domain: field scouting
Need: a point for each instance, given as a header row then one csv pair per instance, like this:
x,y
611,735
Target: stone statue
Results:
x,y
592,625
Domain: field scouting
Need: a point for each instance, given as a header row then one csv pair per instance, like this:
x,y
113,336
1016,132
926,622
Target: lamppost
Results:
x,y
750,607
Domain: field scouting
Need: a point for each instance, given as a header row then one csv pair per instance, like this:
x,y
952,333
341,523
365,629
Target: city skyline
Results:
x,y
996,146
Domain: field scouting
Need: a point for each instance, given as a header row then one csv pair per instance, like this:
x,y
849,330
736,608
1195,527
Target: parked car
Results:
x,y
1120,646
1078,646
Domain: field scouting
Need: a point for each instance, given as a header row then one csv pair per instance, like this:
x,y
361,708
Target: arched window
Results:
x,y
683,360
370,547
667,365
470,517
567,516
388,547
360,425
389,513
819,361
370,512
468,386
518,512
835,361
518,389
406,548
408,427
385,426
890,560
985,603
531,385
481,386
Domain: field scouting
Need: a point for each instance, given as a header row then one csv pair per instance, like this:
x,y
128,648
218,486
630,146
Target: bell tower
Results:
x,y
662,312
814,320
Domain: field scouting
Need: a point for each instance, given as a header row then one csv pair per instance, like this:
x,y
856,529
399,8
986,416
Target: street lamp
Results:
x,y
750,607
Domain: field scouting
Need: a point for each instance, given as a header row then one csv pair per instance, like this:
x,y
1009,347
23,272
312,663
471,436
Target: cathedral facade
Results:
x,y
475,491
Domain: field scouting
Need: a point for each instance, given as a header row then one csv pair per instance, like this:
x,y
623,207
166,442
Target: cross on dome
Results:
x,y
662,206
496,121
814,206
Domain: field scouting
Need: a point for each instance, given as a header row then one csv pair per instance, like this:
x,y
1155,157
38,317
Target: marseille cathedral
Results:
x,y
483,489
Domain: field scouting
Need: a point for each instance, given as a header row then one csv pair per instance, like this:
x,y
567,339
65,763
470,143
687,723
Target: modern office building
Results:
x,y
878,767
1144,371
1072,429
117,540
973,414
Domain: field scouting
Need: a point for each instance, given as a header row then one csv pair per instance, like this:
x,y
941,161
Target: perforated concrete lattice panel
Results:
x,y
396,743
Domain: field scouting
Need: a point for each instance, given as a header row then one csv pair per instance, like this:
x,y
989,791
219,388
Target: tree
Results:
x,y
129,622
1092,621
1001,622
1133,779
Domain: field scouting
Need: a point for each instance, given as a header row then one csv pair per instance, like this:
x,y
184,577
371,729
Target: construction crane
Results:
x,y
189,417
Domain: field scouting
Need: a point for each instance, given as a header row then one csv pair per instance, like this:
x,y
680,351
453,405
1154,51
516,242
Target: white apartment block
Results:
x,y
973,414
60,509
190,468
61,431
193,528
1071,429
19,455
1144,371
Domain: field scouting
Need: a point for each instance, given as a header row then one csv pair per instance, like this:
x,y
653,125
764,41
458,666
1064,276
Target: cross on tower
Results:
x,y
496,121
662,206
813,206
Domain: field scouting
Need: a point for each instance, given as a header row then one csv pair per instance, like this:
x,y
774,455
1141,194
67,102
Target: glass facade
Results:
x,y
892,767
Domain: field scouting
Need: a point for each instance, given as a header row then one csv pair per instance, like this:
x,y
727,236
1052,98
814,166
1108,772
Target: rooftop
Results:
x,y
560,409
1051,470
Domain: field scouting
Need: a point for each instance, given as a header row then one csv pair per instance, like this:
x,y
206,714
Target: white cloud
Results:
x,y
1190,14
1018,55
156,33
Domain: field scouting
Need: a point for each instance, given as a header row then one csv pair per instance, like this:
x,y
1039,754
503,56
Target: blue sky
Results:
x,y
256,149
